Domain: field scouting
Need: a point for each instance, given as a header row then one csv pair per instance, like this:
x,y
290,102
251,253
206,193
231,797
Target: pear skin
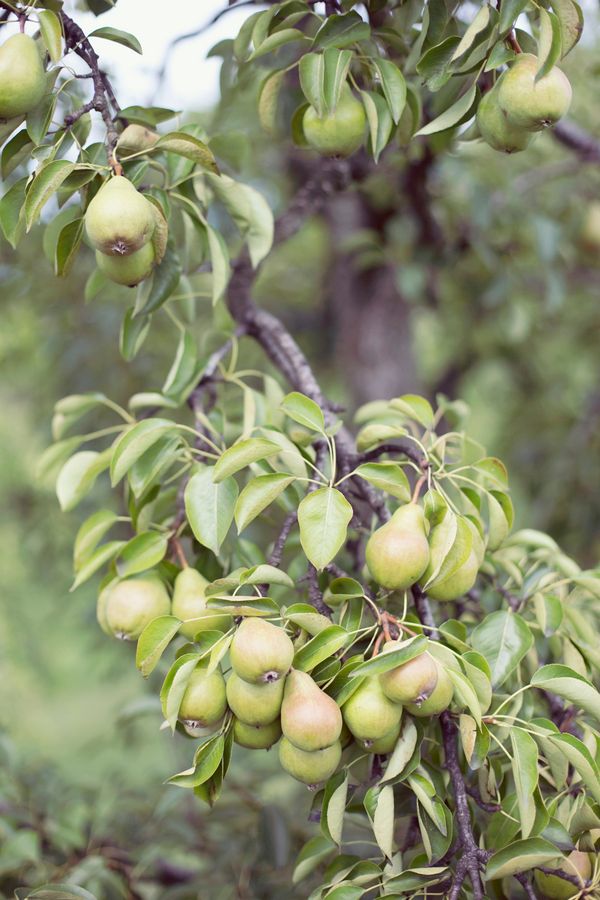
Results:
x,y
383,744
339,133
439,699
589,233
22,77
495,127
397,554
310,719
134,602
261,652
368,713
119,220
189,605
532,104
412,682
128,270
312,768
204,702
254,704
554,887
458,583
256,737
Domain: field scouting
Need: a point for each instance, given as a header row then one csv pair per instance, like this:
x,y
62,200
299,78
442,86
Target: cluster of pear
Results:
x,y
270,700
399,554
127,231
338,133
22,76
521,104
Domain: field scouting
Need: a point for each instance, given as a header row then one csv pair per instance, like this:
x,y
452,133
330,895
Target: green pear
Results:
x,y
553,887
22,76
132,603
310,718
439,699
196,730
254,704
135,139
256,737
368,713
412,682
461,565
590,228
204,702
119,220
310,767
189,605
397,554
127,270
383,744
339,133
532,104
495,127
261,652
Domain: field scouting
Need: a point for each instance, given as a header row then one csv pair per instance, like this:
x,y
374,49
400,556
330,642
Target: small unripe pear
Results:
x,y
412,682
119,220
553,887
397,554
256,737
532,104
22,77
339,133
495,127
136,138
261,652
368,713
439,699
204,702
383,744
254,704
310,718
134,602
127,270
311,768
189,605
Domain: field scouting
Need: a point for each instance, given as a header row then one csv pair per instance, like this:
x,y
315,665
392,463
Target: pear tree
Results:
x,y
349,591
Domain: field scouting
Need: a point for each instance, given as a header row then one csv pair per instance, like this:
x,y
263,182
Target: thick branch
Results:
x,y
576,138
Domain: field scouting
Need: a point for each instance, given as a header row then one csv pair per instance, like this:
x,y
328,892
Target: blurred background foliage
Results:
x,y
450,269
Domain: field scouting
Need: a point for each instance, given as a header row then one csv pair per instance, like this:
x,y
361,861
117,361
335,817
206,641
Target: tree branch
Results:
x,y
576,138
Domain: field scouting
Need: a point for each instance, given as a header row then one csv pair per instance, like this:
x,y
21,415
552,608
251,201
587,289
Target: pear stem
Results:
x,y
420,482
176,544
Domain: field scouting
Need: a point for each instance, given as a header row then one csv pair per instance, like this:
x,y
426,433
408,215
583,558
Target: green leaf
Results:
x,y
414,407
174,686
190,147
520,856
570,19
242,454
549,42
566,683
311,71
90,533
268,100
153,641
510,11
341,31
306,617
210,507
16,151
304,411
451,116
403,751
12,207
99,557
244,606
334,806
379,120
525,774
276,40
503,638
478,25
67,245
265,574
47,180
51,32
335,72
391,659
250,212
321,647
135,441
323,517
206,763
314,852
147,115
78,475
581,759
142,552
379,804
393,86
465,694
157,290
134,331
259,493
119,37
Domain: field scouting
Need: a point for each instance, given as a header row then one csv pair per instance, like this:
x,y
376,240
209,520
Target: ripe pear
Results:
x,y
204,702
134,602
254,704
311,768
310,718
261,652
256,737
412,682
368,713
339,133
397,554
189,605
22,77
383,744
554,887
532,104
127,270
495,127
119,220
439,699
